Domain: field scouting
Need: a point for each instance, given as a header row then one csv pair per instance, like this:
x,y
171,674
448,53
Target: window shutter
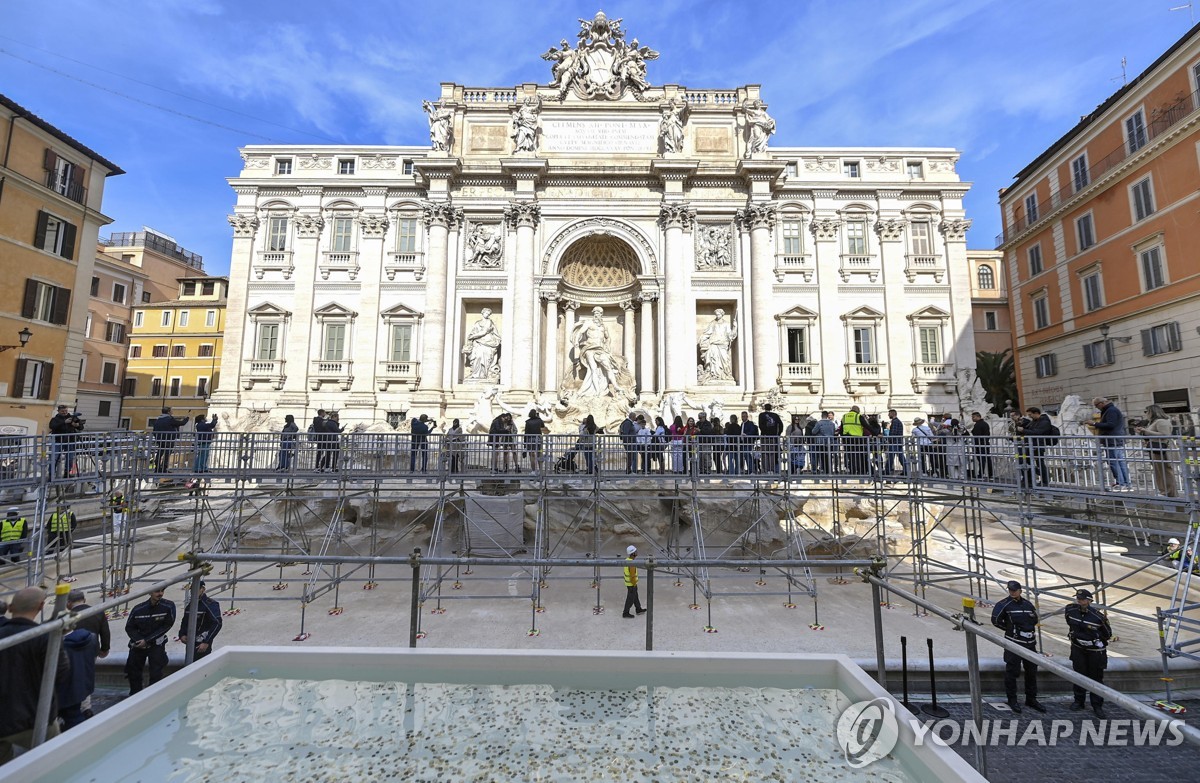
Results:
x,y
68,243
19,378
1174,342
77,179
39,235
1087,357
43,392
1110,355
31,288
1053,364
62,303
1147,343
50,162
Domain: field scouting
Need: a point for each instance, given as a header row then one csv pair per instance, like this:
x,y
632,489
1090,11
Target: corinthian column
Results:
x,y
523,216
675,220
438,216
759,220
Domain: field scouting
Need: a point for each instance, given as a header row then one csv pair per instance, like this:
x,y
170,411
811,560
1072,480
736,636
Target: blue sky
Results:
x,y
998,79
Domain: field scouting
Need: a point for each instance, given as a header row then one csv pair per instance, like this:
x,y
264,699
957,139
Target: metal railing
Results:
x,y
156,243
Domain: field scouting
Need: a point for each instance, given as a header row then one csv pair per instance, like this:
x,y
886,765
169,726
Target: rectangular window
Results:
x,y
277,229
1098,354
156,387
864,345
129,388
989,320
343,228
208,287
87,326
792,245
135,352
1164,338
406,167
402,342
145,297
44,302
114,332
189,288
931,348
1153,274
790,169
33,379
83,367
268,342
1093,292
1135,132
856,238
159,352
1079,172
850,168
166,318
210,318
1085,231
176,387
202,387
184,317
1031,209
345,165
1143,200
54,235
178,351
1041,312
797,345
283,165
335,342
108,372
118,293
95,286
104,408
139,318
206,350
406,235
921,235
1045,365
915,170
1035,260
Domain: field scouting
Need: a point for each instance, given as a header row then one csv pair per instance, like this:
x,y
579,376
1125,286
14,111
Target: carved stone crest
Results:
x,y
602,65
376,162
314,161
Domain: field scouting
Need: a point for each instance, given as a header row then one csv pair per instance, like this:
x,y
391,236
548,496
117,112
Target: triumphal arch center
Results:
x,y
591,244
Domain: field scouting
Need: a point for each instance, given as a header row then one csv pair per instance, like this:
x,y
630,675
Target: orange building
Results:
x,y
989,301
1102,247
51,187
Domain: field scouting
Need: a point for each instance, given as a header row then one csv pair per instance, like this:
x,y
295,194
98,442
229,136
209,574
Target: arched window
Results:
x,y
987,278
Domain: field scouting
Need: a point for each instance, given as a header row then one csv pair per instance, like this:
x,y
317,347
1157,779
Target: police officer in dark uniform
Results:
x,y
1018,618
149,626
208,623
1089,632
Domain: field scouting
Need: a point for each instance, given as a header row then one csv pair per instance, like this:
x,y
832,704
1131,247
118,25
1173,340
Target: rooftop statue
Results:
x,y
441,129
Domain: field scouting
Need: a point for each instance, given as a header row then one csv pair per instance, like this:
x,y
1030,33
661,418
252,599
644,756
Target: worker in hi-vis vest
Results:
x,y
632,601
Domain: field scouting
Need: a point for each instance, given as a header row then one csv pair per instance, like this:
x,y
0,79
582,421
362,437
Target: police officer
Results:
x,y
13,532
60,526
632,601
1018,618
208,623
149,626
1089,632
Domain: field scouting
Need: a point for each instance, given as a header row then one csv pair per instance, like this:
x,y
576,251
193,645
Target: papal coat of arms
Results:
x,y
602,65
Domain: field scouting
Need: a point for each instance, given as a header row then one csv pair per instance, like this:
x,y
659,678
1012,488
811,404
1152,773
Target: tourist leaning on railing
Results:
x,y
1162,456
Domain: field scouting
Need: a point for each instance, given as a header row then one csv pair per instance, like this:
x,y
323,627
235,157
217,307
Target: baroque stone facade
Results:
x,y
602,222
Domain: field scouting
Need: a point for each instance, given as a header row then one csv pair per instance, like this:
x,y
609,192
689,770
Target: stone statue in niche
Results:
x,y
712,248
670,127
716,349
591,340
441,128
482,349
524,125
485,248
760,127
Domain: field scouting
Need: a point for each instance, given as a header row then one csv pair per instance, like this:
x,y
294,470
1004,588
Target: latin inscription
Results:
x,y
713,140
567,136
488,138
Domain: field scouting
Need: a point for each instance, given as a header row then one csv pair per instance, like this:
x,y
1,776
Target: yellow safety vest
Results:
x,y
630,574
11,529
61,522
852,424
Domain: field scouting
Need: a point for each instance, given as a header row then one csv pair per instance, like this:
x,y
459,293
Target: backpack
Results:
x,y
1054,434
312,432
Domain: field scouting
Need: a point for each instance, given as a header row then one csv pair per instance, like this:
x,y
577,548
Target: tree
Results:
x,y
998,376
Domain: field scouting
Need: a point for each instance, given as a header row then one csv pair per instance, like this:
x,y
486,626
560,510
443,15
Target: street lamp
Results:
x,y
1104,331
24,334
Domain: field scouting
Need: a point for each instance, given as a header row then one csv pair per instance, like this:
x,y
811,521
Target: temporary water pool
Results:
x,y
283,715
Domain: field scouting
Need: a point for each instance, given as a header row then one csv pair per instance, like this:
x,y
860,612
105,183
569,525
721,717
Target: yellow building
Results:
x,y
175,353
51,187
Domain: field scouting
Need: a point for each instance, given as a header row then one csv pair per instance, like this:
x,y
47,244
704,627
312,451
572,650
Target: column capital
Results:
x,y
309,225
570,304
954,229
373,225
891,229
825,229
243,225
628,304
440,213
551,296
647,296
522,214
677,215
758,215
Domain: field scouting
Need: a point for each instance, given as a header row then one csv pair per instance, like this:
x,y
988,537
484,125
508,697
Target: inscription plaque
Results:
x,y
568,136
488,138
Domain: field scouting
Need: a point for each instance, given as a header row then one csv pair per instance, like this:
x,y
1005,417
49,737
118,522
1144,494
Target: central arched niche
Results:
x,y
599,263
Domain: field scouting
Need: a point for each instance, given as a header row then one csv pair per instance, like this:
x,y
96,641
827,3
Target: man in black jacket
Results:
x,y
981,433
770,427
21,675
208,623
1039,430
628,433
64,430
149,626
1018,618
1089,632
166,432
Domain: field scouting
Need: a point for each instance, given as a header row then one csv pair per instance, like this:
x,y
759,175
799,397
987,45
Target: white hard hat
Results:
x,y
1174,541
629,550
